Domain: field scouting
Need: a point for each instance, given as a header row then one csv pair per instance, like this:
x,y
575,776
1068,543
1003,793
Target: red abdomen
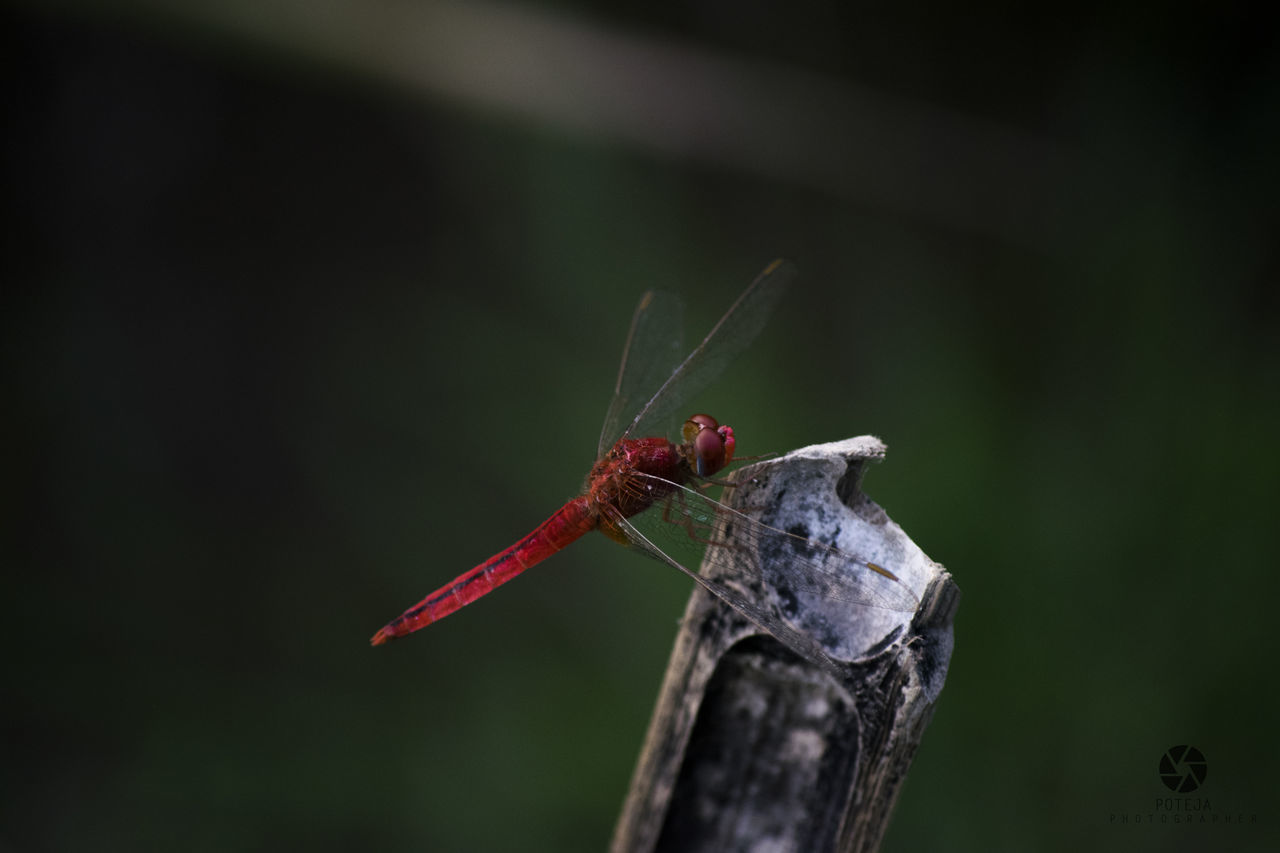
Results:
x,y
569,522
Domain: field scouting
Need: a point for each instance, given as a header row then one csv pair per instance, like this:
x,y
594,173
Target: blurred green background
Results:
x,y
308,309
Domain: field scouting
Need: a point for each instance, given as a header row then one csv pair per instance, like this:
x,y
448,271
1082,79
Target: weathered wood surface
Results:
x,y
757,746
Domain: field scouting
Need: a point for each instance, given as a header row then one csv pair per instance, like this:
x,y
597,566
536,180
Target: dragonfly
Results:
x,y
650,493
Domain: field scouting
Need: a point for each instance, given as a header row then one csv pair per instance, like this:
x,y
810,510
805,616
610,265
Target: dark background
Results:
x,y
287,343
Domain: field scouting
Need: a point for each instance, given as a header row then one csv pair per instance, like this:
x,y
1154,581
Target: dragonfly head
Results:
x,y
708,446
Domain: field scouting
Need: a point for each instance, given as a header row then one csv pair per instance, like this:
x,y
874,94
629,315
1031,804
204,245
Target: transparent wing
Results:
x,y
734,333
678,529
654,347
801,644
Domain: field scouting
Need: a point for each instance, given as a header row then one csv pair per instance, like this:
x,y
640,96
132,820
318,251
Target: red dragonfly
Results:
x,y
648,493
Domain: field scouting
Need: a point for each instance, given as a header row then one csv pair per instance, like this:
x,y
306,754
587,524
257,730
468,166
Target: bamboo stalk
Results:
x,y
753,745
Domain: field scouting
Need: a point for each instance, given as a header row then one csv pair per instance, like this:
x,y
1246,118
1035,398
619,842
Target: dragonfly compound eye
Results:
x,y
711,451
696,424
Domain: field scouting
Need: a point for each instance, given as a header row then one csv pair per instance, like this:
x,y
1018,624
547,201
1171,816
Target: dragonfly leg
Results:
x,y
699,532
708,482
